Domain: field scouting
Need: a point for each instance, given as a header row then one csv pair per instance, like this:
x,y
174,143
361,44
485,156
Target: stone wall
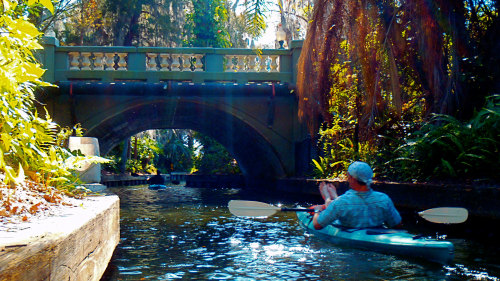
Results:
x,y
76,244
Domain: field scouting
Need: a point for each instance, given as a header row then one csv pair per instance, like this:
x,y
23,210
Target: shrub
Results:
x,y
28,143
445,148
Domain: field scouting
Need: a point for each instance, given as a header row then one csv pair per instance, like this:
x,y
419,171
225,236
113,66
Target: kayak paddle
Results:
x,y
445,215
245,208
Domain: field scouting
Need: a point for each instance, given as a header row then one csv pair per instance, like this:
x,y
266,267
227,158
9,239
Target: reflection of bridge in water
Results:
x,y
243,100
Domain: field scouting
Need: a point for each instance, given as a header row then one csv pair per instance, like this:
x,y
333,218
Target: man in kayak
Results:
x,y
360,206
156,179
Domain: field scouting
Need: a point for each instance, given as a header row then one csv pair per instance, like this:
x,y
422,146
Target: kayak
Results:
x,y
157,186
390,241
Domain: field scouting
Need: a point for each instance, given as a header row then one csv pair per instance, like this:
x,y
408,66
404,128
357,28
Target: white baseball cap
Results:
x,y
361,171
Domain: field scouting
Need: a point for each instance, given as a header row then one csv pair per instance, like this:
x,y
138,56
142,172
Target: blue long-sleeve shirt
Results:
x,y
357,209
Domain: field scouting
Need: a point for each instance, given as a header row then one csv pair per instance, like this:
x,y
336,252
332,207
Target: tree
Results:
x,y
121,23
379,41
45,19
206,24
29,144
237,28
294,17
144,151
163,23
380,68
178,150
213,157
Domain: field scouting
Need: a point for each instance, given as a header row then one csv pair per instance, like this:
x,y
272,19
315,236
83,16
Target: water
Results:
x,y
189,234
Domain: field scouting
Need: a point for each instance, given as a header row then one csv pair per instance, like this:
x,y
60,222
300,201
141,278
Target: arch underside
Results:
x,y
255,155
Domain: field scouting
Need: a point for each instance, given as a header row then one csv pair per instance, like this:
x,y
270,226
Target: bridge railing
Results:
x,y
156,64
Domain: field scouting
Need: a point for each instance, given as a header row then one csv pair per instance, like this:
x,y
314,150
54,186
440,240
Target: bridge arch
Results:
x,y
256,122
254,153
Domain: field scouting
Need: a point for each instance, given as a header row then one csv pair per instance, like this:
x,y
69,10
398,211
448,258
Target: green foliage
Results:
x,y
30,146
445,148
213,158
254,14
205,25
66,132
338,150
177,151
378,70
174,150
143,150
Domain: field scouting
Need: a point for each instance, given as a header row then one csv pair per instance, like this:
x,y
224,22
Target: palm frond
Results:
x,y
255,18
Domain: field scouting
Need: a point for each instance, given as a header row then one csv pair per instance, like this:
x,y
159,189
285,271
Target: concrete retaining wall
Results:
x,y
74,245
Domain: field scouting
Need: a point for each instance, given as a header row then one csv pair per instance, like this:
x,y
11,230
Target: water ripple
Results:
x,y
188,233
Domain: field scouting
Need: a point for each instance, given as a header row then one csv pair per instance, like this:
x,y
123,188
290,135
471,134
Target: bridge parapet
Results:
x,y
157,64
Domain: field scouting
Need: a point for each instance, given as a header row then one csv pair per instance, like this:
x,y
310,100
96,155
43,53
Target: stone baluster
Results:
x,y
122,63
258,60
85,60
74,63
251,63
263,64
99,61
274,63
151,63
198,65
109,61
229,63
186,62
241,63
175,63
164,62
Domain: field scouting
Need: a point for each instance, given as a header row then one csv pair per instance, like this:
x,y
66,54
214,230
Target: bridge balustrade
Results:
x,y
157,64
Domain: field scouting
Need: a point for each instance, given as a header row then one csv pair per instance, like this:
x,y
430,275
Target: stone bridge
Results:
x,y
242,98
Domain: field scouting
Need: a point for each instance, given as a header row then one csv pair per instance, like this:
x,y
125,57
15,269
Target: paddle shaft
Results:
x,y
297,210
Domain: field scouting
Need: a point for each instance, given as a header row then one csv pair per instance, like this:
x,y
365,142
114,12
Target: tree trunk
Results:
x,y
124,156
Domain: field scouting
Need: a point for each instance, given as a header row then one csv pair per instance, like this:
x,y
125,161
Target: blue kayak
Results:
x,y
390,241
157,186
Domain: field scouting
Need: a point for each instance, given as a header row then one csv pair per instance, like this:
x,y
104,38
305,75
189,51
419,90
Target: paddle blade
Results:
x,y
244,208
445,215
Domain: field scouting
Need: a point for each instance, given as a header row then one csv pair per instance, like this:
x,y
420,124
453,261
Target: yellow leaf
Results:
x,y
20,26
52,154
2,162
47,4
33,70
6,140
20,175
8,5
9,175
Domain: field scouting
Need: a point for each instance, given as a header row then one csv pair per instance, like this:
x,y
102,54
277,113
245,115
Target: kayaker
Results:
x,y
156,179
359,207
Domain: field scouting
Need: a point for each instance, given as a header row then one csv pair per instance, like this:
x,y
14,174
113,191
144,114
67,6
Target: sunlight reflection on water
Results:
x,y
188,233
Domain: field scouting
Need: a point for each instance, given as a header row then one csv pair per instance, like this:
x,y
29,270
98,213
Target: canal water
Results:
x,y
189,234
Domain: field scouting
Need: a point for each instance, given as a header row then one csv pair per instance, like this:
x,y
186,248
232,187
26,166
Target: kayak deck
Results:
x,y
157,186
391,241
